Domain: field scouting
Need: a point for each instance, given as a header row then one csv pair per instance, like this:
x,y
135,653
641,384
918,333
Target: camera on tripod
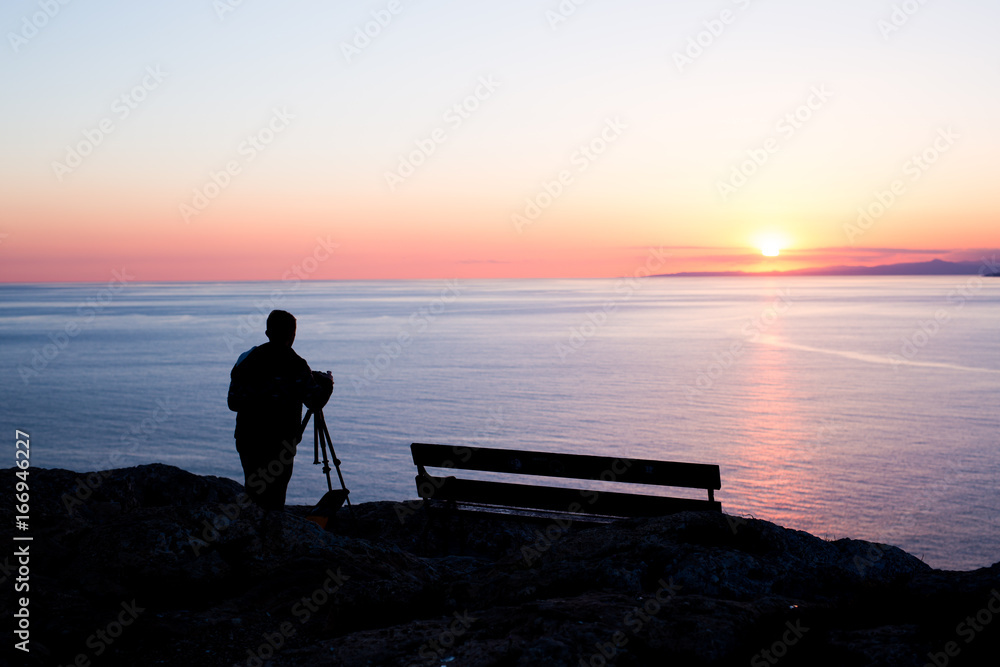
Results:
x,y
332,500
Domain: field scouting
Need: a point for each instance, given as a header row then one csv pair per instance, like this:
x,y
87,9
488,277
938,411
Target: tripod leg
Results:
x,y
336,463
305,422
321,445
302,432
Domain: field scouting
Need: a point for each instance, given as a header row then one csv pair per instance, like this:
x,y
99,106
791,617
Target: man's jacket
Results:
x,y
268,386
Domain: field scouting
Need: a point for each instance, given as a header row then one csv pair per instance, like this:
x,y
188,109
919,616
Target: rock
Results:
x,y
154,565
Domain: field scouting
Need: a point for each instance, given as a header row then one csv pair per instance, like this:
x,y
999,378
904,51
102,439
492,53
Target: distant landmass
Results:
x,y
935,267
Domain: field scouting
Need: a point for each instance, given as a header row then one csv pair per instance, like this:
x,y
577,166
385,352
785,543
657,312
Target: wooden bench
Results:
x,y
505,497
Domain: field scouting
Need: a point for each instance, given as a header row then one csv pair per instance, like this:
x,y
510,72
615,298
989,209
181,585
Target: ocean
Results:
x,y
843,406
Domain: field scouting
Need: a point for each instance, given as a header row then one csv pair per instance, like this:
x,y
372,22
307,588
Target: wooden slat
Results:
x,y
574,466
524,496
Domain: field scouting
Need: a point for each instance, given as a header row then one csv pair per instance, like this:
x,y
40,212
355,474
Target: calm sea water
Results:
x,y
847,407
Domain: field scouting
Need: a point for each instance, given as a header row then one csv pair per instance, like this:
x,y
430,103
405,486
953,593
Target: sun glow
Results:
x,y
771,244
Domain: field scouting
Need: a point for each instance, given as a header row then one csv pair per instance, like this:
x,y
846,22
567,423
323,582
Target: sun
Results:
x,y
770,244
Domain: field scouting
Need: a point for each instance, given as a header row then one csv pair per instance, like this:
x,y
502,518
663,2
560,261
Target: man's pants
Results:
x,y
267,467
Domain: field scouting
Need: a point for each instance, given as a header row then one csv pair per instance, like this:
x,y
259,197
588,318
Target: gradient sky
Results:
x,y
672,135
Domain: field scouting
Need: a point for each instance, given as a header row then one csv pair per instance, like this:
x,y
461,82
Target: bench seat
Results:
x,y
463,493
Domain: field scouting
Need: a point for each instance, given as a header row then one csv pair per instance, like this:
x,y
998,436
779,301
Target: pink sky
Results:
x,y
439,151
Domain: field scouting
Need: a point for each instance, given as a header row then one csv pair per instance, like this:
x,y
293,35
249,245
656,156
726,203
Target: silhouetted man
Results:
x,y
269,384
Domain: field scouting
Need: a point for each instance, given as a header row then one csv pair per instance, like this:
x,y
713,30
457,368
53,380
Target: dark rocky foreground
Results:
x,y
148,569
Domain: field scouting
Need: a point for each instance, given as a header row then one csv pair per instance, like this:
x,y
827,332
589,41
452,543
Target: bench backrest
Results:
x,y
572,466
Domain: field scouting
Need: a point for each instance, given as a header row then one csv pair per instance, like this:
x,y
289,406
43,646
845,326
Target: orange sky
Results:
x,y
224,148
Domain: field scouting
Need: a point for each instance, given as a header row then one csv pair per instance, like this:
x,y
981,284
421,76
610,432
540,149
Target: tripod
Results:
x,y
331,501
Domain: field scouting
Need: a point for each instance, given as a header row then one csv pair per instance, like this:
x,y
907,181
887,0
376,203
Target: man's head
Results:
x,y
281,327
